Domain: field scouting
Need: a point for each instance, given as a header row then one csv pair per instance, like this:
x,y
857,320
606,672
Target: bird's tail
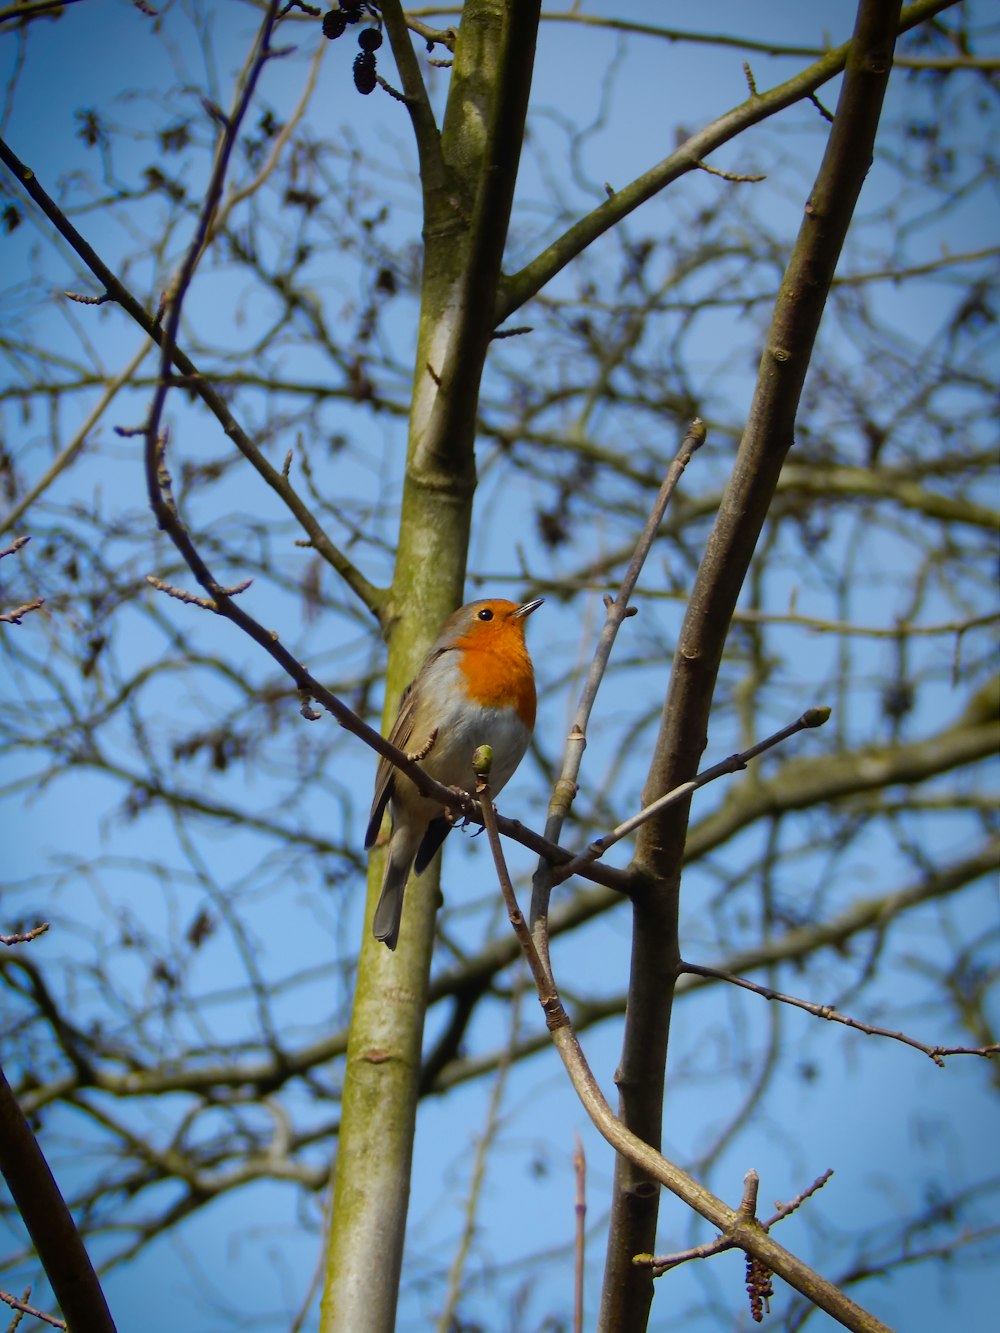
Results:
x,y
388,913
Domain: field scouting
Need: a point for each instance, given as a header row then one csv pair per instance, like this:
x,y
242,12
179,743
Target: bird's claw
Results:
x,y
469,806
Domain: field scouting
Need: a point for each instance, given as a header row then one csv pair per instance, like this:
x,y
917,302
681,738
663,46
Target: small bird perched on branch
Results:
x,y
476,687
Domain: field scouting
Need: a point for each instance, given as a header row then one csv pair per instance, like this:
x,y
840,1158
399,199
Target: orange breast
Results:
x,y
497,669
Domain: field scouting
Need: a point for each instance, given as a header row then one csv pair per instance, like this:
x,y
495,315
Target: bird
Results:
x,y
475,687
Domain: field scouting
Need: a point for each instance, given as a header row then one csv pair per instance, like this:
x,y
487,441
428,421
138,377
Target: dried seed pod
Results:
x,y
369,39
334,23
364,72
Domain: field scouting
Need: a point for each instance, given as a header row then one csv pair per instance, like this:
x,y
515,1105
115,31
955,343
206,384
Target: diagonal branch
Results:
x,y
70,452
767,438
827,1011
425,129
662,1263
739,1229
157,475
618,610
524,284
372,597
50,1223
812,717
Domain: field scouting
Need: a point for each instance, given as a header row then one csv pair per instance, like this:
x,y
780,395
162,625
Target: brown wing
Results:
x,y
402,730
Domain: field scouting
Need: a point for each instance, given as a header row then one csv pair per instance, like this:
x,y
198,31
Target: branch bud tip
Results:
x,y
482,761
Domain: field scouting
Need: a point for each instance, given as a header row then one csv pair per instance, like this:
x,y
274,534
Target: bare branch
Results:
x,y
415,98
767,439
81,299
526,283
26,936
14,617
618,610
741,1231
485,1141
180,595
75,446
15,546
372,597
812,717
580,1175
794,946
50,1223
662,1263
23,1307
936,1053
728,175
786,1209
278,147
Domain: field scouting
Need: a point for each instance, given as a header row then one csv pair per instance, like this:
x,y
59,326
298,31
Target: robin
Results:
x,y
476,687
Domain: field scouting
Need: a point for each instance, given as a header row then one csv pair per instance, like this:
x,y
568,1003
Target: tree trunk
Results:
x,y
468,174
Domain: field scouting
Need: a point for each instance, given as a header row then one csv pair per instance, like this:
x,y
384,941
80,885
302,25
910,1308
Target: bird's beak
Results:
x,y
527,609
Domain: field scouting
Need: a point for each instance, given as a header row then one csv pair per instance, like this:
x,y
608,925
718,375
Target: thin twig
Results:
x,y
580,1174
82,299
68,455
743,1233
159,497
25,936
22,1307
786,1209
540,271
513,332
388,88
827,1011
845,627
729,175
207,604
812,717
618,610
484,1144
281,140
372,597
555,1015
662,1263
14,617
179,594
30,9
432,36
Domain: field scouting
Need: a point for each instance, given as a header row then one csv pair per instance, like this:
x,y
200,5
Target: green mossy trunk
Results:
x,y
468,175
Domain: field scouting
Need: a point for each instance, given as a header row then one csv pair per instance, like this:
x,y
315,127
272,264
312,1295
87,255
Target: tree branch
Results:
x,y
373,598
812,717
659,853
565,786
50,1224
426,134
521,286
935,1053
741,1230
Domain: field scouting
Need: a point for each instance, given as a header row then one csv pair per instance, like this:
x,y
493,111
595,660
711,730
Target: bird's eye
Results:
x,y
484,614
